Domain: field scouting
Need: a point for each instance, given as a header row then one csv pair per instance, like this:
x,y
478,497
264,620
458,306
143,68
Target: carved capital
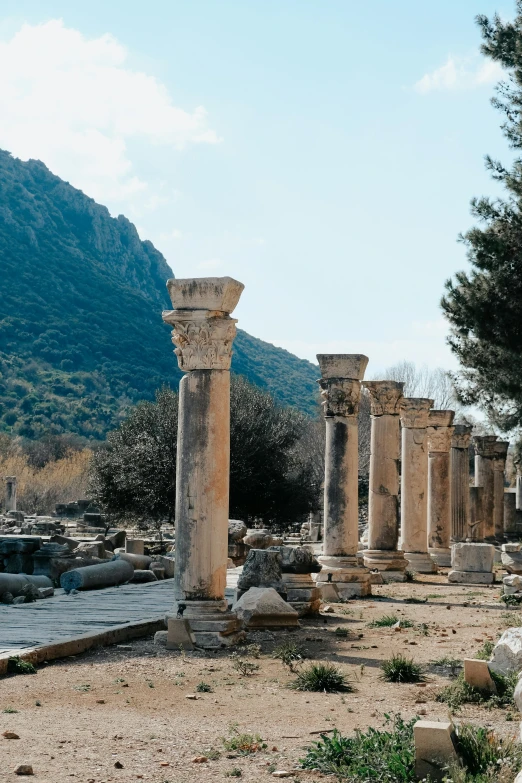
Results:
x,y
385,397
461,436
499,460
485,445
439,438
415,412
340,396
342,365
203,338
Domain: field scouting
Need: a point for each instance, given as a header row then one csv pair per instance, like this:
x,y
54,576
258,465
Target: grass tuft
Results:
x,y
203,687
322,677
289,653
460,692
244,744
15,665
398,668
485,652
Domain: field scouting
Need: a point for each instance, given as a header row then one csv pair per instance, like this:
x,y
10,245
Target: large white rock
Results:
x,y
472,557
517,696
263,607
512,561
507,653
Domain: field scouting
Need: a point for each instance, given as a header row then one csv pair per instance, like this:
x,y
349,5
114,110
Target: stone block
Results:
x,y
507,653
135,546
476,674
205,293
510,548
179,634
512,561
337,592
263,607
513,581
472,557
168,564
471,577
237,530
434,748
339,365
262,569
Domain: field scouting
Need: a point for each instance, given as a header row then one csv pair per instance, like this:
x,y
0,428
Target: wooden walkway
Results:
x,y
24,627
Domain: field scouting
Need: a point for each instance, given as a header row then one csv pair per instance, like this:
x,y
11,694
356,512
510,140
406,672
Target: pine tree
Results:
x,y
484,306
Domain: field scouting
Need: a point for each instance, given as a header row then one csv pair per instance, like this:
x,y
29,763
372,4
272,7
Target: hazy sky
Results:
x,y
323,152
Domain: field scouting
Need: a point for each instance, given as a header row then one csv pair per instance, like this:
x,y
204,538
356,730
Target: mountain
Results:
x,y
81,335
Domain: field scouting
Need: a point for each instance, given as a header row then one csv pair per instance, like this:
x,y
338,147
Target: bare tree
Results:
x,y
435,384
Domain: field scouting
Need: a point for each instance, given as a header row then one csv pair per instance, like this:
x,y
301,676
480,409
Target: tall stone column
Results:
x,y
414,484
484,455
510,514
341,577
440,433
203,334
459,466
383,507
499,466
10,493
476,514
519,487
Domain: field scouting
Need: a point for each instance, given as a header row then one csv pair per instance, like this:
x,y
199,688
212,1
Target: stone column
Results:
x,y
510,514
383,506
484,455
476,514
499,466
341,577
459,466
519,487
203,333
414,484
10,493
440,433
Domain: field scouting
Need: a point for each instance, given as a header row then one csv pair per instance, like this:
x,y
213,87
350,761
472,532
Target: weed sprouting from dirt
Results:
x,y
243,668
203,687
460,692
386,755
484,652
15,665
9,711
244,744
325,677
398,668
386,621
343,632
511,600
446,662
485,755
83,688
289,653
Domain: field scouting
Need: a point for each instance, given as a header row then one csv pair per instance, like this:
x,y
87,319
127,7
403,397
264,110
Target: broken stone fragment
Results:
x,y
115,572
262,569
476,674
507,653
263,607
434,749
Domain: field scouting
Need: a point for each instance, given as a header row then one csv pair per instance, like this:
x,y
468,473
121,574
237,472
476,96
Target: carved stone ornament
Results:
x,y
385,397
439,438
485,445
461,436
415,412
340,396
203,340
501,450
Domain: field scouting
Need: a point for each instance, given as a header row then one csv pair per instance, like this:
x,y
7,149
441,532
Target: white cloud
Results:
x,y
76,104
460,73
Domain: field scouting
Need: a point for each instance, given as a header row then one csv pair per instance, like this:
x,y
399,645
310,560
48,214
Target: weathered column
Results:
x,y
476,514
484,454
341,577
459,466
203,333
383,505
510,514
414,484
440,433
518,485
499,466
10,493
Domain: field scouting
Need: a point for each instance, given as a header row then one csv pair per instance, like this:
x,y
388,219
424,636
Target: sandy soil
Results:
x,y
128,705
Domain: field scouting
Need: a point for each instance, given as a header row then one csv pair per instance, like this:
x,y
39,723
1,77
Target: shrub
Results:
x,y
244,744
386,755
203,687
289,653
484,753
511,600
398,668
386,621
322,677
15,665
460,692
244,668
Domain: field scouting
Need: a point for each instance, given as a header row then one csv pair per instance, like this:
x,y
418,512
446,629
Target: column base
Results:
x,y
471,577
420,563
212,626
442,556
385,560
342,578
302,593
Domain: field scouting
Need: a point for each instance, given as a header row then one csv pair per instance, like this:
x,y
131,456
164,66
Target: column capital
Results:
x,y
501,450
414,412
342,365
340,396
461,436
484,445
203,331
439,438
385,397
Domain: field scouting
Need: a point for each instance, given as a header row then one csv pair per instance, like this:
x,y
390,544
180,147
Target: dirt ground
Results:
x,y
127,705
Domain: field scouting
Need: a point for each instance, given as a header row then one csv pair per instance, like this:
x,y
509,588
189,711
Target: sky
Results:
x,y
323,152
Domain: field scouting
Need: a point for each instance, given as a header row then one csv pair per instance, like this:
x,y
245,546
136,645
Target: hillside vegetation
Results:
x,y
81,335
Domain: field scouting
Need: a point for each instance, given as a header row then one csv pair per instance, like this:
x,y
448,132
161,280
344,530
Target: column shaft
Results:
x,y
484,454
499,464
476,514
459,466
341,496
202,485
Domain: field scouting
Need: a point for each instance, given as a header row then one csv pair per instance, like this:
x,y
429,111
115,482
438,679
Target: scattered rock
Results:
x,y
263,607
328,609
507,653
24,769
192,696
10,735
281,773
199,760
118,765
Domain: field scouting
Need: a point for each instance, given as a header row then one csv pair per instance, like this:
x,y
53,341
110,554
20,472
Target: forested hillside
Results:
x,y
81,336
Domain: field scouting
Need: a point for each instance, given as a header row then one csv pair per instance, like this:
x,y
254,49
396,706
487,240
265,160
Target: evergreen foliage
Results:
x,y
81,335
134,475
484,306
